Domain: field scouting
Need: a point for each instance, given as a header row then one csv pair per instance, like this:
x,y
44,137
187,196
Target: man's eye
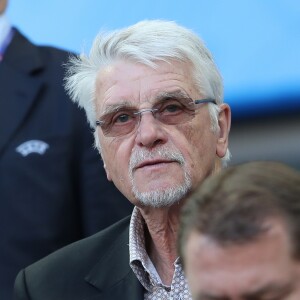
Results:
x,y
172,107
122,118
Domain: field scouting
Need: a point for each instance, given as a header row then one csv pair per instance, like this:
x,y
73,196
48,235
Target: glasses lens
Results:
x,y
175,111
119,122
168,111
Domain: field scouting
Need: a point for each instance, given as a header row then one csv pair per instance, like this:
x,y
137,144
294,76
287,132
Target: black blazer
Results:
x,y
95,268
51,199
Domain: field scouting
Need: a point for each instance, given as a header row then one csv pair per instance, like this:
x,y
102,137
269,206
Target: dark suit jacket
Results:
x,y
52,199
95,268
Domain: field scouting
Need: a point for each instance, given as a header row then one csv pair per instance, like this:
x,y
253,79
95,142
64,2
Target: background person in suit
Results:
x,y
240,234
53,188
154,96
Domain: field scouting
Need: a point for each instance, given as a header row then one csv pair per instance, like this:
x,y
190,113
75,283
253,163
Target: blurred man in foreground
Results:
x,y
240,234
154,96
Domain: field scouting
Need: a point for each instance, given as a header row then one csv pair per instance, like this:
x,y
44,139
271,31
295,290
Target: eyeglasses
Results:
x,y
124,119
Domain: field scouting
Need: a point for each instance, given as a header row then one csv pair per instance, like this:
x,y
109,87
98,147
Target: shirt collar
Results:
x,y
137,249
140,261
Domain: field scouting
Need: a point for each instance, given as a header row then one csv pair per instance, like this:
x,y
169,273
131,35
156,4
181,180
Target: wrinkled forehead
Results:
x,y
138,83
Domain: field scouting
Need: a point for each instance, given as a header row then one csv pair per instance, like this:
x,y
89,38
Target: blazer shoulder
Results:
x,y
69,266
55,54
94,268
31,58
84,253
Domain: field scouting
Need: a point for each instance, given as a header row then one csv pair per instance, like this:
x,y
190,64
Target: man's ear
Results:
x,y
107,172
224,122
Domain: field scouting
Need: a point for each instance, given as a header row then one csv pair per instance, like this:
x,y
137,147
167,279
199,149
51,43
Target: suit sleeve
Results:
x,y
20,288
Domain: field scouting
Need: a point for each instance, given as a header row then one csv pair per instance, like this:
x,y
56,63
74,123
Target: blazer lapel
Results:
x,y
18,87
15,100
129,288
112,275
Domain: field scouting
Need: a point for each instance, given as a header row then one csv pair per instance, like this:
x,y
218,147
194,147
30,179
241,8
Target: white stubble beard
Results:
x,y
160,198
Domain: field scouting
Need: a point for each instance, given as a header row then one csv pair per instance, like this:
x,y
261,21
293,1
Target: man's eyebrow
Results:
x,y
279,290
204,296
174,94
111,108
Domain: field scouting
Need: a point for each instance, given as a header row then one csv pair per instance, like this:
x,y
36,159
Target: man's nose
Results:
x,y
149,131
145,110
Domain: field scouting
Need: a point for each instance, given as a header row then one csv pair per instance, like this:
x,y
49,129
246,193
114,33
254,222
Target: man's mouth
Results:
x,y
153,163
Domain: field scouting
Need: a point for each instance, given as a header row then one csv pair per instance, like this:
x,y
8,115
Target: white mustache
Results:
x,y
139,156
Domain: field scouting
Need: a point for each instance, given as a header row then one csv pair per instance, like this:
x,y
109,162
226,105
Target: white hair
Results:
x,y
146,42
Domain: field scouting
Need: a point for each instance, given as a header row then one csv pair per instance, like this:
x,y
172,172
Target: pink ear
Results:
x,y
107,173
224,128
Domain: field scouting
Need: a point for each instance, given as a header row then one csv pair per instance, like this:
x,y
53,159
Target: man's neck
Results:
x,y
161,238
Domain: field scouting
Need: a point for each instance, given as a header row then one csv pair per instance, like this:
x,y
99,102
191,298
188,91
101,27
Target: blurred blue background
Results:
x,y
256,43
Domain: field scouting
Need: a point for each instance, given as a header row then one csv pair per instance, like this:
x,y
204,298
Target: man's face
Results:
x,y
259,270
156,158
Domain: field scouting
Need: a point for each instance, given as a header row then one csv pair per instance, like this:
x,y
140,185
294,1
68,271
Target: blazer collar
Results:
x,y
112,274
22,55
19,88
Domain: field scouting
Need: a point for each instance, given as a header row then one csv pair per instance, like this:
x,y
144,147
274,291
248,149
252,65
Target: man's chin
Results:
x,y
161,198
159,184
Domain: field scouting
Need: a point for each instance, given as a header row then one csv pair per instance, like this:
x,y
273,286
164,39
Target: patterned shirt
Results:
x,y
145,271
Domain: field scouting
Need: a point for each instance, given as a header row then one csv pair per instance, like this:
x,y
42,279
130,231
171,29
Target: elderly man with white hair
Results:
x,y
154,97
